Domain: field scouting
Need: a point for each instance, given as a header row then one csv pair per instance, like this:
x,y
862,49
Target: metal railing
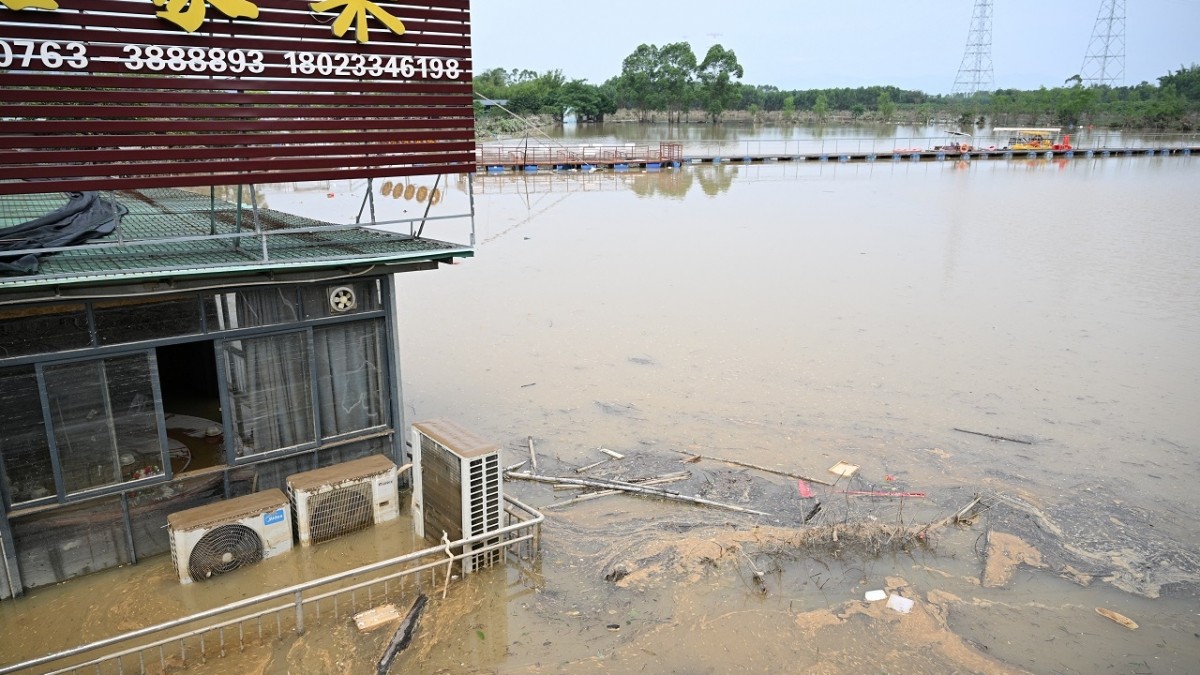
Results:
x,y
540,153
214,632
833,147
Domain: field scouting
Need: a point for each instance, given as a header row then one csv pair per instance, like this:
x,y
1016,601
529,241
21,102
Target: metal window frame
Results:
x,y
62,496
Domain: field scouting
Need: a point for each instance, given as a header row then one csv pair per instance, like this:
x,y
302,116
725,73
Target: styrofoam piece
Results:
x,y
376,616
844,469
899,603
875,596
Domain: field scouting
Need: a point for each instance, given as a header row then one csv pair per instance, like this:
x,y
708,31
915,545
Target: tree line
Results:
x,y
669,83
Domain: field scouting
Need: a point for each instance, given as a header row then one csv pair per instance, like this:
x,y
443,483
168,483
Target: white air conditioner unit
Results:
x,y
216,538
457,488
343,498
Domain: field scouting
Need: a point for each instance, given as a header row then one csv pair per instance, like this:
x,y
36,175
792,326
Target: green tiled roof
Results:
x,y
171,232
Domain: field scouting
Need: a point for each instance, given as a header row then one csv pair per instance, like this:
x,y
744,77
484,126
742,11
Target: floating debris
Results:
x,y
900,603
994,437
844,469
1117,617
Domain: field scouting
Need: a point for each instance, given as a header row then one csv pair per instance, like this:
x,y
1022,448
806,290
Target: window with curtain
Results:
x,y
352,387
104,420
24,449
250,307
270,392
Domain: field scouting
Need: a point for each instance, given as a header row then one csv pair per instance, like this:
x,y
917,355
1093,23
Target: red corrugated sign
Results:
x,y
112,94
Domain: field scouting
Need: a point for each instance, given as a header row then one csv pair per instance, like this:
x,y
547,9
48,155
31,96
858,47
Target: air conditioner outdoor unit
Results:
x,y
217,538
343,498
457,488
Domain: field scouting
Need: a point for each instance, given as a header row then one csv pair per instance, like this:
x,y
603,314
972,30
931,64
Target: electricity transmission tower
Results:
x,y
975,72
1104,62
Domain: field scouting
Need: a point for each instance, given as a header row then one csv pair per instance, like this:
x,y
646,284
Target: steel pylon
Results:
x,y
1104,62
975,72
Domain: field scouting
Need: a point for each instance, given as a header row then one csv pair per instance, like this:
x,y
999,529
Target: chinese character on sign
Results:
x,y
189,14
30,4
356,11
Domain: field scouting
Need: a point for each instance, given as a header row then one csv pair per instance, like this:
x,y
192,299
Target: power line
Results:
x,y
1104,63
975,72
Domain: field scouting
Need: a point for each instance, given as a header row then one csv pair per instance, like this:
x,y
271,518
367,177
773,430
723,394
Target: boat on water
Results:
x,y
956,141
1033,138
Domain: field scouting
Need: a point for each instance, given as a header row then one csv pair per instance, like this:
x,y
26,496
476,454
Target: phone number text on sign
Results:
x,y
215,60
52,55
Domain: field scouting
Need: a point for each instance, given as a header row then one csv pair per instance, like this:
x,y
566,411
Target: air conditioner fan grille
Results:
x,y
341,511
224,549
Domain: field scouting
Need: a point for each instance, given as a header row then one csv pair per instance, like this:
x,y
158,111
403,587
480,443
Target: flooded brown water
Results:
x,y
794,315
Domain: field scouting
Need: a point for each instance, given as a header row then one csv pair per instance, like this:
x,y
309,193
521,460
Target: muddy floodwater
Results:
x,y
793,315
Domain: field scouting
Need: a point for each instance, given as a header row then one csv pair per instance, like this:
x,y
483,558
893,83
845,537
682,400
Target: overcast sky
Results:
x,y
807,44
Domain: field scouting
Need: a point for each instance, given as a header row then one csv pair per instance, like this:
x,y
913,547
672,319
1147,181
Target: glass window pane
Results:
x,y
270,392
43,330
82,425
23,445
255,307
352,385
135,416
339,299
105,421
212,312
119,321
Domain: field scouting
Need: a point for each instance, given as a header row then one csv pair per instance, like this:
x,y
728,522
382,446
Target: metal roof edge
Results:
x,y
107,278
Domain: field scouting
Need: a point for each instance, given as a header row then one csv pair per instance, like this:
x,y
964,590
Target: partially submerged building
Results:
x,y
166,342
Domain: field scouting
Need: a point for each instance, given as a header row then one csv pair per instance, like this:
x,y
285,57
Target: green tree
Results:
x,y
589,102
857,110
491,83
1075,103
821,108
924,113
887,109
636,86
676,73
717,72
789,107
1185,81
534,94
1000,108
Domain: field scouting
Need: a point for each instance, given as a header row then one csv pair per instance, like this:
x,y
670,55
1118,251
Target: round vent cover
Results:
x,y
224,549
342,299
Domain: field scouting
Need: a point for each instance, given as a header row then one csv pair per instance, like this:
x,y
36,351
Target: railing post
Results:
x,y
299,614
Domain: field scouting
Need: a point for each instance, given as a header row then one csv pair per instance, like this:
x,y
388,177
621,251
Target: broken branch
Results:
x,y
532,455
636,489
998,438
755,466
660,480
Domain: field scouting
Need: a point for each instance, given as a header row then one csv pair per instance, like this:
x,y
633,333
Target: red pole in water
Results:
x,y
1067,142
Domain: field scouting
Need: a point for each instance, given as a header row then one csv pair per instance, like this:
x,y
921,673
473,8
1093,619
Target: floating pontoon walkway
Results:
x,y
624,158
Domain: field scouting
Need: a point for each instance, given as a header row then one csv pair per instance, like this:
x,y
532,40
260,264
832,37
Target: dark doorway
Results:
x,y
187,376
